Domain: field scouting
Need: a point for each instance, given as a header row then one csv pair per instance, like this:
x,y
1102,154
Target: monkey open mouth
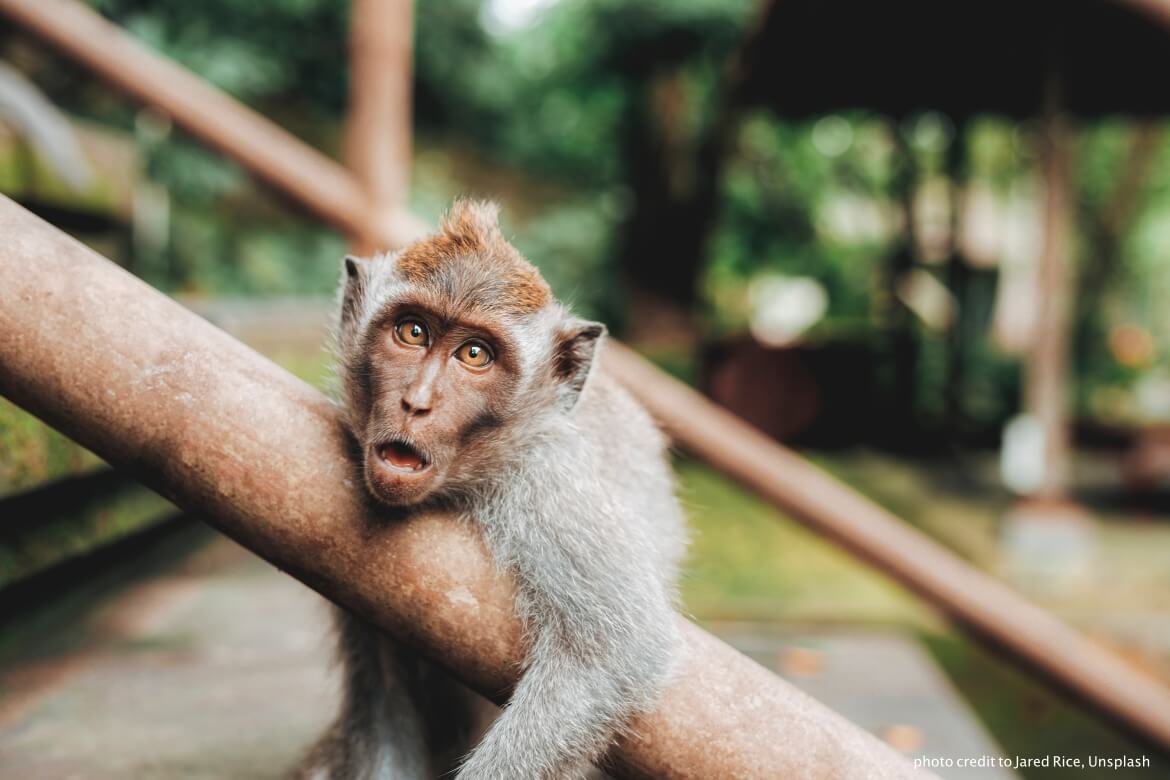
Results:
x,y
402,456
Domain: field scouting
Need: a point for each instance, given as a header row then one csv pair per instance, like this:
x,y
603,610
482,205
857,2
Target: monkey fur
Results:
x,y
465,384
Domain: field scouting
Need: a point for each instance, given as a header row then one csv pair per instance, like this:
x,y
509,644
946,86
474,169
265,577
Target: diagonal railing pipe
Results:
x,y
228,435
975,599
979,601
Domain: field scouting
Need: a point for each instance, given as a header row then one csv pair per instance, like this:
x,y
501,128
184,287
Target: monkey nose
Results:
x,y
415,407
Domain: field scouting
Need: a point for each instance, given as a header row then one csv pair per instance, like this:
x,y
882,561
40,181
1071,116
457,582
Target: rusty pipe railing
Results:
x,y
378,126
730,445
932,571
228,435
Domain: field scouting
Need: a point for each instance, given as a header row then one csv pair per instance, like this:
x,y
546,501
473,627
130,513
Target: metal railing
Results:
x,y
318,545
229,436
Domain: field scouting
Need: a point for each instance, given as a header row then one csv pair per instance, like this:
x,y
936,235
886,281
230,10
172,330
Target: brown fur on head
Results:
x,y
413,324
470,243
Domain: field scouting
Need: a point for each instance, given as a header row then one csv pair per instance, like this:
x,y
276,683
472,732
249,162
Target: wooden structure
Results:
x,y
261,455
1056,59
904,56
1046,363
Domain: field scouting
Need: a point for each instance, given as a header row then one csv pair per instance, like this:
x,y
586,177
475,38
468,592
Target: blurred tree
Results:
x,y
632,96
606,127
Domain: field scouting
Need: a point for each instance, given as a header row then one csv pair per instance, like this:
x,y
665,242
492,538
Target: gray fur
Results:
x,y
578,506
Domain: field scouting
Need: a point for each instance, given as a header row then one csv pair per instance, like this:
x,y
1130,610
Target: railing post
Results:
x,y
378,130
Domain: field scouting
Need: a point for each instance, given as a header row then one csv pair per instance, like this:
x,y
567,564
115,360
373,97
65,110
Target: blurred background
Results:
x,y
923,243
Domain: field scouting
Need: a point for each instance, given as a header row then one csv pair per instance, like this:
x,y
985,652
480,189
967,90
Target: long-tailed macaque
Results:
x,y
467,385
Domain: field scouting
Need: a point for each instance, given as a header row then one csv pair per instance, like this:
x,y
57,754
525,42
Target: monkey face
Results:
x,y
438,387
453,349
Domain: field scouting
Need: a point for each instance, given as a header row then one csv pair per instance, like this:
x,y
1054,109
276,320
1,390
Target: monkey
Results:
x,y
466,385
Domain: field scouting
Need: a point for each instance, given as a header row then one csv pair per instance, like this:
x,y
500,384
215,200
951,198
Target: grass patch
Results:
x,y
56,538
750,562
32,453
1030,719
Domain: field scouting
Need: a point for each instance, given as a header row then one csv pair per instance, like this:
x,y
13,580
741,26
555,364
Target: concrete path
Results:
x,y
884,683
220,669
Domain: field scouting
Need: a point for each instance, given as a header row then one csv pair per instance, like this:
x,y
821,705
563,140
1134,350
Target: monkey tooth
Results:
x,y
402,456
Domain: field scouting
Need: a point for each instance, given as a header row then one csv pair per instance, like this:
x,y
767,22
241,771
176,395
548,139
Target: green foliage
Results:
x,y
591,102
556,98
1029,719
776,191
31,453
60,537
750,562
288,49
461,82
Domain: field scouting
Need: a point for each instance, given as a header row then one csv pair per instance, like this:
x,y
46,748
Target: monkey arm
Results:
x,y
600,622
563,714
585,676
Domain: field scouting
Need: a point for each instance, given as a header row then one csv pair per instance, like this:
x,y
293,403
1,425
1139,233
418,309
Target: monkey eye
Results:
x,y
475,354
411,332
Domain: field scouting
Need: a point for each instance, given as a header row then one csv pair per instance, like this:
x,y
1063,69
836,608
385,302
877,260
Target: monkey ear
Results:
x,y
357,271
353,287
575,350
355,267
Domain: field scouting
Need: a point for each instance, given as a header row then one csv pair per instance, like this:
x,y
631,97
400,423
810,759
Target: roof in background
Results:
x,y
810,57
